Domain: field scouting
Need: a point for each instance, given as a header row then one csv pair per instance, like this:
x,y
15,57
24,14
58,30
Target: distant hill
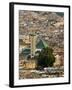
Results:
x,y
48,25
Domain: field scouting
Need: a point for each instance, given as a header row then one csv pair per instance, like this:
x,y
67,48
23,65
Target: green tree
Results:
x,y
46,58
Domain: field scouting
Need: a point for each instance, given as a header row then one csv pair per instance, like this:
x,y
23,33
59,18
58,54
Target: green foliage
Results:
x,y
46,58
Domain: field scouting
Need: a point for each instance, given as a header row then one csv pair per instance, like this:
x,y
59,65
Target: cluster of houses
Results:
x,y
29,45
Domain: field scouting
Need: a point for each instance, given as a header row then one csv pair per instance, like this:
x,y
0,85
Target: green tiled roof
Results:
x,y
26,51
41,44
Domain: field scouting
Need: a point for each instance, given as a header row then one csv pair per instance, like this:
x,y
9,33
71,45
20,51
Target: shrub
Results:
x,y
46,58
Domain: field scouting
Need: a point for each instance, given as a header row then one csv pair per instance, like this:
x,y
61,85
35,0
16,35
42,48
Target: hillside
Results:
x,y
48,25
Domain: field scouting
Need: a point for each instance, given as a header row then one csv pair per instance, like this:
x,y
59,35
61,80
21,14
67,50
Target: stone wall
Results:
x,y
31,64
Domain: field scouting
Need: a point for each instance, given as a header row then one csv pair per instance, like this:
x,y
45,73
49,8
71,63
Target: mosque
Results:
x,y
34,45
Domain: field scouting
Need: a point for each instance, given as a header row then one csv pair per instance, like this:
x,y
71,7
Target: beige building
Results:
x,y
57,60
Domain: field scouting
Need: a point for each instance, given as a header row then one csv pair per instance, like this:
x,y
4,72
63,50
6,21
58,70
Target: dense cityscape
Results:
x,y
41,31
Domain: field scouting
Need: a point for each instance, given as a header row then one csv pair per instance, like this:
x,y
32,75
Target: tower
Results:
x,y
33,42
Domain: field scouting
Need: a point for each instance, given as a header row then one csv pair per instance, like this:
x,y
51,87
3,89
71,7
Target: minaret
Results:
x,y
33,42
